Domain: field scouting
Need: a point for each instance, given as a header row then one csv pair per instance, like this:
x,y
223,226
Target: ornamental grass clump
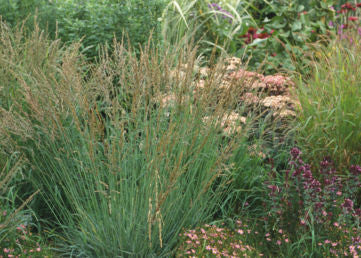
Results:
x,y
315,207
120,172
330,106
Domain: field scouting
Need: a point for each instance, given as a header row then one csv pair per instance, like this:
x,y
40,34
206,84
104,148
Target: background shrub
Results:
x,y
96,22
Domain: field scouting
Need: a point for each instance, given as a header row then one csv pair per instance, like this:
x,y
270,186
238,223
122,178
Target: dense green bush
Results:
x,y
14,12
96,22
100,21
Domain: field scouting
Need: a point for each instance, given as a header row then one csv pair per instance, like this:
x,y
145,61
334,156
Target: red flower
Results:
x,y
347,6
352,18
358,5
261,36
342,11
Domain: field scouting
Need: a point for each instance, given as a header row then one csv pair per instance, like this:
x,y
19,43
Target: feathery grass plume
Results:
x,y
121,170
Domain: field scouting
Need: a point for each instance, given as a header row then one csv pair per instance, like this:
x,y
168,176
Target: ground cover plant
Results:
x,y
175,147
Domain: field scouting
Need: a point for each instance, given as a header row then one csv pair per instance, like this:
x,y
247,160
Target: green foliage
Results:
x,y
14,12
330,116
127,152
96,22
100,21
293,26
281,29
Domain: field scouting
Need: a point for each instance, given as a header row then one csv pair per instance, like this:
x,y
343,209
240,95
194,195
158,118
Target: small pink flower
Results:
x,y
268,239
334,244
267,235
240,231
5,213
219,229
203,231
338,193
192,236
279,242
237,246
336,224
280,231
286,240
208,247
327,241
6,250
